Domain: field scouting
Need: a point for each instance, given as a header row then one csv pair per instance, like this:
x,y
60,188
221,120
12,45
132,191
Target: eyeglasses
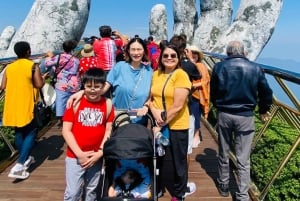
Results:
x,y
166,56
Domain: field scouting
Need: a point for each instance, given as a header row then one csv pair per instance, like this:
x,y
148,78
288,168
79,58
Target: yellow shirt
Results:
x,y
179,79
19,100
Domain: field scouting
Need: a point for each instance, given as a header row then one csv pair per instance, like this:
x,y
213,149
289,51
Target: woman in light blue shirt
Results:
x,y
130,80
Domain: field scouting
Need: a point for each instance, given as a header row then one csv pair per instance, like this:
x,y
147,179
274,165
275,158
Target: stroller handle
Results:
x,y
132,114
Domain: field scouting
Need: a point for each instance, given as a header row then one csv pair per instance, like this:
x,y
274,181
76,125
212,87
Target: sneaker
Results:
x,y
29,162
19,174
223,190
191,188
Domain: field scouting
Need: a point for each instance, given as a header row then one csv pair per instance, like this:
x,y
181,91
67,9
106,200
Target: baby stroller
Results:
x,y
130,162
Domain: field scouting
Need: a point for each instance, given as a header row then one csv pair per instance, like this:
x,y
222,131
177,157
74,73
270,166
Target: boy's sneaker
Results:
x,y
223,190
29,162
191,188
19,174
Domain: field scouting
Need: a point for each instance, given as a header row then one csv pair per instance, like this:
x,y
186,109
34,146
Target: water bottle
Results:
x,y
160,150
161,139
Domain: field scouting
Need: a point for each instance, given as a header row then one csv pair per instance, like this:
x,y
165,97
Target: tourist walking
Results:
x,y
20,81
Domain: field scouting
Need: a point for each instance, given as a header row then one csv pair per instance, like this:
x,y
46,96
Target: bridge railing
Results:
x,y
280,109
289,83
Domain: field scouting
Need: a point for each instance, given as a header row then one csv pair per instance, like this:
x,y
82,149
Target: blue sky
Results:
x,y
132,17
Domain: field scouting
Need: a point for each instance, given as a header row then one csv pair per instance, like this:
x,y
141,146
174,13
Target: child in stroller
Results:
x,y
129,162
131,179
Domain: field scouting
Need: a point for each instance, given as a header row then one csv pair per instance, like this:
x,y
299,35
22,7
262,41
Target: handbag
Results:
x,y
42,113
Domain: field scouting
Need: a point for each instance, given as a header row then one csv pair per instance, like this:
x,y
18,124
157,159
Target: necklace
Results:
x,y
135,68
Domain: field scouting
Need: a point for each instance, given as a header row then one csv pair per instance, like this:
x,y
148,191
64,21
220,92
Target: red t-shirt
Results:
x,y
89,123
105,50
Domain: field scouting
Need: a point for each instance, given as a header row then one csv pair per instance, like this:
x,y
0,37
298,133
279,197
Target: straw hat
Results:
x,y
194,48
87,50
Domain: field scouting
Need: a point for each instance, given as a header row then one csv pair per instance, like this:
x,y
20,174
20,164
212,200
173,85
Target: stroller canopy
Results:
x,y
130,141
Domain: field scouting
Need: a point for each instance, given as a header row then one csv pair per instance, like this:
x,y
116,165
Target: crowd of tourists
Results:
x,y
166,79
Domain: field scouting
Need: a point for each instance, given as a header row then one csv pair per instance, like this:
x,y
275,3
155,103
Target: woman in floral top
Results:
x,y
66,66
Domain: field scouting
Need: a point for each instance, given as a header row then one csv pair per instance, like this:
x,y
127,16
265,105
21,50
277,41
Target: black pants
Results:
x,y
174,171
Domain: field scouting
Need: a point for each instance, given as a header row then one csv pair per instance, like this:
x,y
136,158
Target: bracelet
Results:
x,y
146,105
100,149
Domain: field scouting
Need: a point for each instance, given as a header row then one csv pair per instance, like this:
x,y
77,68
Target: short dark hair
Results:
x,y
180,42
70,45
150,38
95,75
21,49
105,31
163,43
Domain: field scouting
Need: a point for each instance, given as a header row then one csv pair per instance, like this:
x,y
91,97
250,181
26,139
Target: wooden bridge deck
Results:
x,y
47,183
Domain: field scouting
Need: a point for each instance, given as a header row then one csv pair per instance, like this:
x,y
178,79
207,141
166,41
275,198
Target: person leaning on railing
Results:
x,y
237,86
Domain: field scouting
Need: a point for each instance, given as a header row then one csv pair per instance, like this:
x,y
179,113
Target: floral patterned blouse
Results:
x,y
68,78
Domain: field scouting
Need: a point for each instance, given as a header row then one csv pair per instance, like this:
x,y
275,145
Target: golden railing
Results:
x,y
290,114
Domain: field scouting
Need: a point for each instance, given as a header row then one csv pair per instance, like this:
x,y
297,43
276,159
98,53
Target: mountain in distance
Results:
x,y
286,64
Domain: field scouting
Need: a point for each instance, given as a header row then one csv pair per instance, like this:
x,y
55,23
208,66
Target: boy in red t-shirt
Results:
x,y
86,127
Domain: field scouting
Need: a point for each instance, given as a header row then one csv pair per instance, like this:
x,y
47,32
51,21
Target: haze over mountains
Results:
x,y
286,64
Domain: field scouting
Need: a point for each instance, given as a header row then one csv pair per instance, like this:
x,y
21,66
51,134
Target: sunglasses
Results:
x,y
173,56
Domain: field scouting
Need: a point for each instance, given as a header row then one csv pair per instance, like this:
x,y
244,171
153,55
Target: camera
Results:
x,y
163,115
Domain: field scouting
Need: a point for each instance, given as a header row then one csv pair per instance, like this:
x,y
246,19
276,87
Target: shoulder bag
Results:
x,y
165,129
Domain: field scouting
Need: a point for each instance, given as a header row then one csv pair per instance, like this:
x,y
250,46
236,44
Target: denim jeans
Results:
x,y
24,140
61,101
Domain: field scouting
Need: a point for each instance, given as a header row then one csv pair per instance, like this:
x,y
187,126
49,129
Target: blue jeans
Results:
x,y
61,101
24,140
195,110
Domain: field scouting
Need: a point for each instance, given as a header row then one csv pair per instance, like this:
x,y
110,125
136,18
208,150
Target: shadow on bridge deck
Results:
x,y
46,181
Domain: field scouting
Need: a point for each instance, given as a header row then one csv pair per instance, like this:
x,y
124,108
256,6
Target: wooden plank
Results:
x,y
47,175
